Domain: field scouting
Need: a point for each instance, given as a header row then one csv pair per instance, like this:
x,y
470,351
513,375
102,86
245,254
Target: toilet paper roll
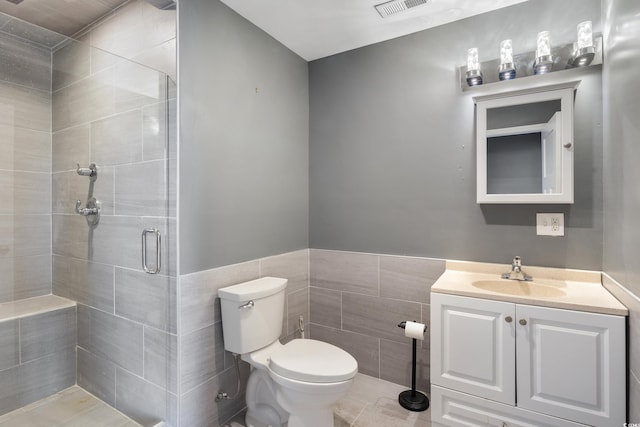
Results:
x,y
414,330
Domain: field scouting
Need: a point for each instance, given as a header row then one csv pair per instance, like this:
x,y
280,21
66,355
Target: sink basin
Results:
x,y
516,288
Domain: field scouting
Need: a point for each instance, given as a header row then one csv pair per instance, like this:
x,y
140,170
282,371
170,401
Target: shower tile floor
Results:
x,y
371,402
72,407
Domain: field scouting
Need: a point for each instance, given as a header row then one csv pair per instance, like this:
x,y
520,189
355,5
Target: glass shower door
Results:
x,y
120,116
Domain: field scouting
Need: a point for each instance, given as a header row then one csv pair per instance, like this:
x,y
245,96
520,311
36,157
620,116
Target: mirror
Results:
x,y
524,144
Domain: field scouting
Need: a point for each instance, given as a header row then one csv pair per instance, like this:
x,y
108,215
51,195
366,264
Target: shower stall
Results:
x,y
87,187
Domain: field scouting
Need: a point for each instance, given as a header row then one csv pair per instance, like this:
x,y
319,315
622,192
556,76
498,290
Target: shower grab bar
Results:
x,y
158,250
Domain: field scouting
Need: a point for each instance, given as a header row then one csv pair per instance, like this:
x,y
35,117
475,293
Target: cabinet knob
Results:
x,y
522,322
567,145
508,319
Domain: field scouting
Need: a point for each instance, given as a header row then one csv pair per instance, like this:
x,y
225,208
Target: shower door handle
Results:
x,y
158,250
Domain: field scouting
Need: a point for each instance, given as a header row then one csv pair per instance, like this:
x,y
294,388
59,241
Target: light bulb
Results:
x,y
584,51
474,75
506,71
473,64
544,44
506,52
544,61
585,35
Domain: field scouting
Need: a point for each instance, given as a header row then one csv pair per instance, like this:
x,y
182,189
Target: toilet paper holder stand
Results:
x,y
413,400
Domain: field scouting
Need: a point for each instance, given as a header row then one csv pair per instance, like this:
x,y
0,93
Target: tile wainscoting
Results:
x,y
358,299
352,300
205,367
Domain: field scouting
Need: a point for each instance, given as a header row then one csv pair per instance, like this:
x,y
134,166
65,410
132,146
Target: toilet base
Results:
x,y
322,418
262,416
262,408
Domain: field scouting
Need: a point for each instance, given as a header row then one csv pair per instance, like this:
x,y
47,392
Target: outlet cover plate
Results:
x,y
550,224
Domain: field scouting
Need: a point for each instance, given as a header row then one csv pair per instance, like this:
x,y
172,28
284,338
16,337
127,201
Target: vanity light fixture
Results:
x,y
544,61
474,75
584,51
507,70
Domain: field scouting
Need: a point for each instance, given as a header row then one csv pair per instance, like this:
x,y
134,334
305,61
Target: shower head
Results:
x,y
15,1
160,4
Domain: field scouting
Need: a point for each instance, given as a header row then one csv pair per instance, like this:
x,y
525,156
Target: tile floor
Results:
x,y
72,407
370,403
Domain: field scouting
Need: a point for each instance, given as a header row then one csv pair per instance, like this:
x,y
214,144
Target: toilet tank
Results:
x,y
252,314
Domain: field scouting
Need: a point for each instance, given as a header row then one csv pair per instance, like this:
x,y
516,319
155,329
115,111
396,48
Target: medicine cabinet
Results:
x,y
524,142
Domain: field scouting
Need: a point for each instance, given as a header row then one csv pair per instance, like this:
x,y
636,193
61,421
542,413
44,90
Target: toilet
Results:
x,y
294,384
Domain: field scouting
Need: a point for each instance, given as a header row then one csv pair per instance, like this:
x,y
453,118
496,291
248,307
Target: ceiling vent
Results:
x,y
395,7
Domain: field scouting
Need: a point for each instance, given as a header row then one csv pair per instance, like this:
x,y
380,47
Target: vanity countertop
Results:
x,y
561,288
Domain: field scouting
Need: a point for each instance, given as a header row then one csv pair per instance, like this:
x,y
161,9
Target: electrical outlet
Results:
x,y
550,224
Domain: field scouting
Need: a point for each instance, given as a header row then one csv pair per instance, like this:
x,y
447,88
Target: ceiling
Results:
x,y
65,17
311,28
317,28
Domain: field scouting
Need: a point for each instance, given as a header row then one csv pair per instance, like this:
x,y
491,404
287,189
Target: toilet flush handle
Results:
x,y
247,305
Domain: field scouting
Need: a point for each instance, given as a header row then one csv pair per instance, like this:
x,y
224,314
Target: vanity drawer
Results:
x,y
452,409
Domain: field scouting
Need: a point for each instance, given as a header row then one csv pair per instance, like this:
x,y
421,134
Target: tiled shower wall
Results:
x,y
25,167
358,299
206,368
37,350
114,112
140,32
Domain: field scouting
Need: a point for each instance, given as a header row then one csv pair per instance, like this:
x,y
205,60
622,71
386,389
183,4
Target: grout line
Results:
x,y
355,420
379,358
143,358
19,342
114,290
341,310
142,138
25,171
378,268
115,385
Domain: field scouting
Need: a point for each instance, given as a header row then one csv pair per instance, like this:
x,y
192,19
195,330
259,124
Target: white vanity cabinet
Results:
x,y
505,364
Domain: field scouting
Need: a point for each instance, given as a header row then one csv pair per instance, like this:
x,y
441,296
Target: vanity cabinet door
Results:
x,y
571,364
473,346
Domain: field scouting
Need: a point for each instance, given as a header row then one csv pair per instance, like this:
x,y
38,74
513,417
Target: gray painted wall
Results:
x,y
392,159
621,155
244,140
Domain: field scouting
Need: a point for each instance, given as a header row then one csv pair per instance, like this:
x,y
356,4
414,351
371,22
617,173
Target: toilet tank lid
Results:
x,y
253,289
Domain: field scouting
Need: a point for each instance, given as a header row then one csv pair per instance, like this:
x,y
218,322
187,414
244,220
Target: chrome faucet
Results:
x,y
516,272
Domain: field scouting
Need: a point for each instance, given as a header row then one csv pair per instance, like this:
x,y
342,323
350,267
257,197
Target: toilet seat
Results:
x,y
313,361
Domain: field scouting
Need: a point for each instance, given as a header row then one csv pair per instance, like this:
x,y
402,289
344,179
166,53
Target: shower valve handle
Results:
x,y
88,210
91,171
91,212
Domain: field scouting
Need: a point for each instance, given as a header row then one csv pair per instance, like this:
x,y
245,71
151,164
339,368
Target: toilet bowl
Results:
x,y
295,384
